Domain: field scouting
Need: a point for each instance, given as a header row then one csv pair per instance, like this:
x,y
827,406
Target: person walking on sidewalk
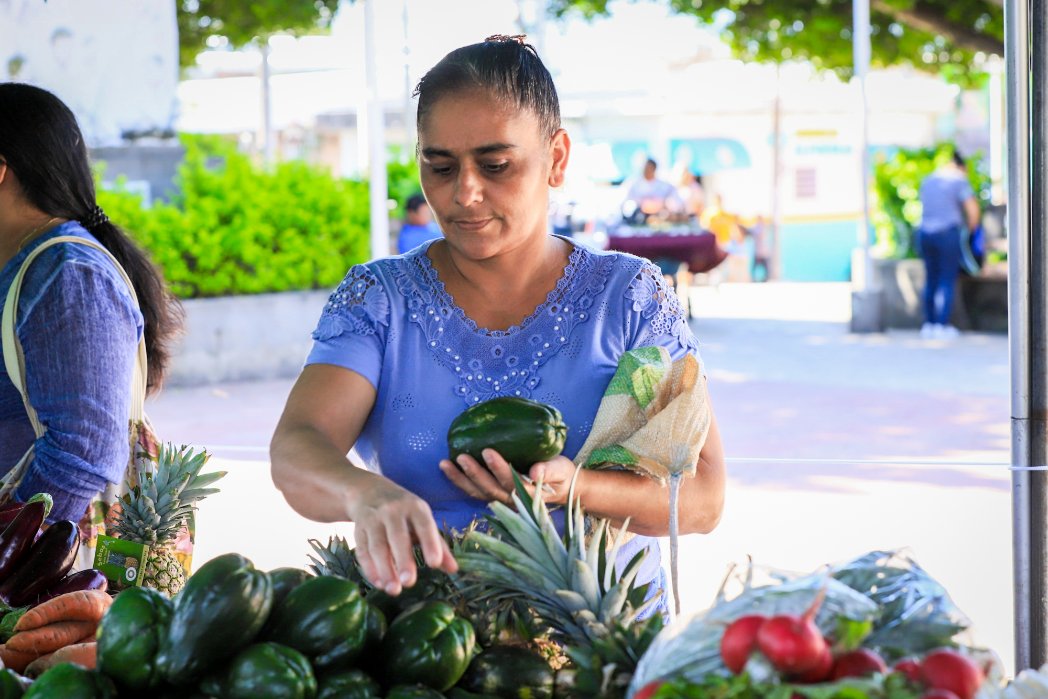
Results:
x,y
949,209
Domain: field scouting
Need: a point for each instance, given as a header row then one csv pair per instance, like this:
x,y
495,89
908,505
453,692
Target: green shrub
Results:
x,y
896,206
235,228
402,180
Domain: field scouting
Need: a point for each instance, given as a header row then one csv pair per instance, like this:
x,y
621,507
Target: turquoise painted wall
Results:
x,y
818,251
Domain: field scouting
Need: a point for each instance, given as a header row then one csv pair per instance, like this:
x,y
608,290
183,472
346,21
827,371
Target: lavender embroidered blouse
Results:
x,y
392,321
79,329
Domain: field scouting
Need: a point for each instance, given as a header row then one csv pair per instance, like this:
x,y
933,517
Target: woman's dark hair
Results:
x,y
958,160
503,66
42,145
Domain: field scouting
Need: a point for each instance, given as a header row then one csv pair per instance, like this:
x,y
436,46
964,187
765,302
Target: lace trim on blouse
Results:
x,y
504,362
357,306
501,362
657,303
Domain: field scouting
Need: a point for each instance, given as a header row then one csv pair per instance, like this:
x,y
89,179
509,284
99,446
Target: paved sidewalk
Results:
x,y
837,444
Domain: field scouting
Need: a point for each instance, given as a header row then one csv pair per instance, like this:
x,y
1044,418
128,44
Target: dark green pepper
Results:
x,y
350,652
264,671
129,637
220,610
284,581
430,584
324,615
11,684
70,681
523,431
350,684
428,644
509,672
413,691
460,693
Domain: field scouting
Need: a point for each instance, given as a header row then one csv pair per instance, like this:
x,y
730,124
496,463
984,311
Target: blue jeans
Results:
x,y
941,252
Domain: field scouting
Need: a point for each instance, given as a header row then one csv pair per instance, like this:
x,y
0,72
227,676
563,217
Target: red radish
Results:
x,y
648,690
939,694
861,662
739,641
820,672
793,644
909,667
948,669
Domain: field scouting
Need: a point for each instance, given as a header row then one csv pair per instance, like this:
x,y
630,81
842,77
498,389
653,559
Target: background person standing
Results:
x,y
949,209
418,224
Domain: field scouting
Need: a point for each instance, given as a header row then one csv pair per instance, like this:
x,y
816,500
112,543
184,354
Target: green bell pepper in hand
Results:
x,y
428,644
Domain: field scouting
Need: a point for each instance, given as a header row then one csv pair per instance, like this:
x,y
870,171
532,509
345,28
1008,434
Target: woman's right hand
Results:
x,y
325,413
388,522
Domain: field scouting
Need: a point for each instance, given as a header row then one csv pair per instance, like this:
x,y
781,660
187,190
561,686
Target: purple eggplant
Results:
x,y
90,579
17,539
10,509
47,562
8,516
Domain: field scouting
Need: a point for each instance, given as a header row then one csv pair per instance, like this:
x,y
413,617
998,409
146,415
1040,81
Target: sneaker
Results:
x,y
946,332
927,331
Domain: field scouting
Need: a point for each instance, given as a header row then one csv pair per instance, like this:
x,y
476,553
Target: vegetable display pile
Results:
x,y
534,613
48,615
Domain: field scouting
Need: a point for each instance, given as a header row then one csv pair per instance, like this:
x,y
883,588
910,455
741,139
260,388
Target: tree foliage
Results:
x,y
240,22
943,36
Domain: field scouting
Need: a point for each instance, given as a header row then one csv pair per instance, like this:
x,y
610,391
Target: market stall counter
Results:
x,y
684,243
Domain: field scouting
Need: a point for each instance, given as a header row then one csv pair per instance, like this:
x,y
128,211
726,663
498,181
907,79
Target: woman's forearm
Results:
x,y
621,494
617,495
315,478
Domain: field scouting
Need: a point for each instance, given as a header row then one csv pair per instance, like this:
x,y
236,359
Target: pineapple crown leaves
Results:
x,y
337,559
571,582
165,494
604,669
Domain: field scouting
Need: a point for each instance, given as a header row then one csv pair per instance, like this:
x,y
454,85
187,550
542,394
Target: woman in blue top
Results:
x,y
77,323
498,307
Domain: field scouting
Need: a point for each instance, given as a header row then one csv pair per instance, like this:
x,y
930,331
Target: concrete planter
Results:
x,y
239,338
980,303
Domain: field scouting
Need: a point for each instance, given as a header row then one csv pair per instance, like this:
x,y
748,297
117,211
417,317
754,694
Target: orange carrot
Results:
x,y
83,654
47,639
16,660
81,605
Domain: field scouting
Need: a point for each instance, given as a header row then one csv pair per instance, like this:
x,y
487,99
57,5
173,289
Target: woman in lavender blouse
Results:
x,y
77,323
498,307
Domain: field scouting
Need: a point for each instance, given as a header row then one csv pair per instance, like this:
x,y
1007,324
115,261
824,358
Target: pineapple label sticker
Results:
x,y
120,560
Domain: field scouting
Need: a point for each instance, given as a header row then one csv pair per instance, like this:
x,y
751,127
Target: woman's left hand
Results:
x,y
493,480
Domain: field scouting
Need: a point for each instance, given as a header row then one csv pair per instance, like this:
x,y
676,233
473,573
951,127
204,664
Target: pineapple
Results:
x,y
155,509
572,585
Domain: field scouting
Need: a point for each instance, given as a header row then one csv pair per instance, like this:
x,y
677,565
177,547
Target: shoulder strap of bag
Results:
x,y
14,359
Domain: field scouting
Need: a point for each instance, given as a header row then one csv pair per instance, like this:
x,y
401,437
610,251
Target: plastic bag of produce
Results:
x,y
690,647
916,613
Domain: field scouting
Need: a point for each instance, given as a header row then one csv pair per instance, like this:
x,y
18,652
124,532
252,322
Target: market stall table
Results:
x,y
691,246
697,248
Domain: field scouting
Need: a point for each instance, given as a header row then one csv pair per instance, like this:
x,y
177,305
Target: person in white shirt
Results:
x,y
649,196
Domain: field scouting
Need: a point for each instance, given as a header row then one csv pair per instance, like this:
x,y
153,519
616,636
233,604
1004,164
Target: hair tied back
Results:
x,y
499,38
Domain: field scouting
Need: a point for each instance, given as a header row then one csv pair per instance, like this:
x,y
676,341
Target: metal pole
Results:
x,y
1038,333
267,105
409,117
995,93
376,142
775,229
866,295
861,58
1027,223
